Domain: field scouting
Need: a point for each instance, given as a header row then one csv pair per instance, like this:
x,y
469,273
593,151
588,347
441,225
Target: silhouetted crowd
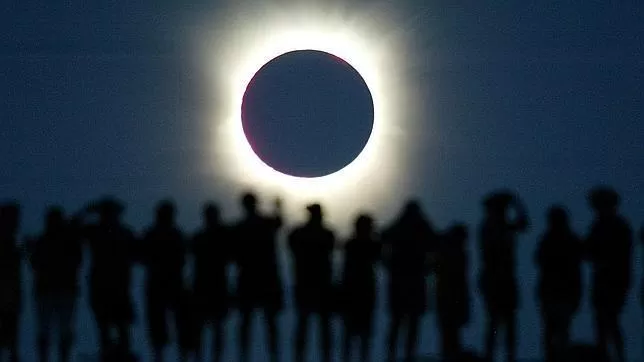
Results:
x,y
410,249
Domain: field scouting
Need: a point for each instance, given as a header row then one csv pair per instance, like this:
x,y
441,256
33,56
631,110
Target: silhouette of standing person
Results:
x,y
212,252
163,255
609,247
498,275
558,257
259,283
111,246
358,286
408,244
56,258
10,279
311,246
452,291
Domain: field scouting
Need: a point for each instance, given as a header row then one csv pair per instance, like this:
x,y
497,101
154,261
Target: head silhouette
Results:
x,y
249,203
604,200
364,226
55,219
315,214
497,204
165,213
109,210
412,211
211,214
557,218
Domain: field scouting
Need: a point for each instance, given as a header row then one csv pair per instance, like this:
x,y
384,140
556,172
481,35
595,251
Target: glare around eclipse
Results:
x,y
248,35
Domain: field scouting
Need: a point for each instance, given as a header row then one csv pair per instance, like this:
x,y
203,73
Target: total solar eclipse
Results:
x,y
307,113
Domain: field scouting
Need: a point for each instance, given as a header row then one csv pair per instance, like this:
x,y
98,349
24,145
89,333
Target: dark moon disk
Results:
x,y
307,113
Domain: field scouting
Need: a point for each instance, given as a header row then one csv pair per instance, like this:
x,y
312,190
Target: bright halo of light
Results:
x,y
249,36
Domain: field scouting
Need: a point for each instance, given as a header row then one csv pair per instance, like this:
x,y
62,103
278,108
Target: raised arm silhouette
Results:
x,y
558,257
311,246
609,247
259,285
498,281
358,286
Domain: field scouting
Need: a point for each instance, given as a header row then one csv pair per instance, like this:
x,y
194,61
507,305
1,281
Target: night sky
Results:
x,y
545,97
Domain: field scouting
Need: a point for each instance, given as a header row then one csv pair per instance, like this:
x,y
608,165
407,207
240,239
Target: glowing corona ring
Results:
x,y
249,36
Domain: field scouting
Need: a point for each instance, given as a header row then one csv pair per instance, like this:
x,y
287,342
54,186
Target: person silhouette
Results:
x,y
56,258
498,276
163,255
452,291
609,247
259,284
409,243
311,246
10,279
558,258
111,247
211,250
358,286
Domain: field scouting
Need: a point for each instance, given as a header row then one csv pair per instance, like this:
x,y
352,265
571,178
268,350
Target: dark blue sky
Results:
x,y
545,97
542,96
